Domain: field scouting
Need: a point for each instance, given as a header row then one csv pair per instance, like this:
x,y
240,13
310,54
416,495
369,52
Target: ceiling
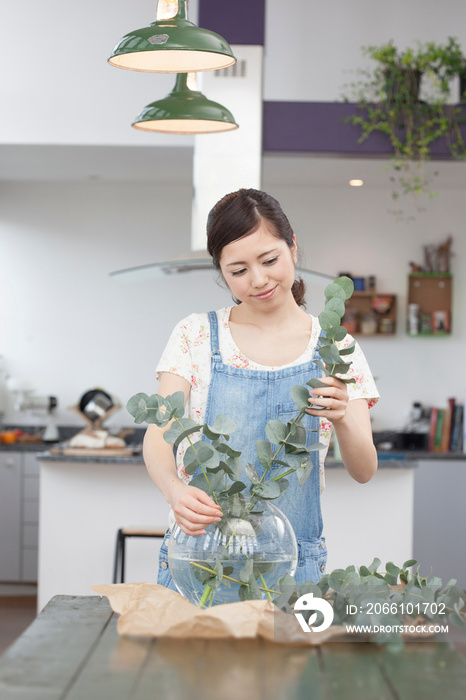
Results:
x,y
157,164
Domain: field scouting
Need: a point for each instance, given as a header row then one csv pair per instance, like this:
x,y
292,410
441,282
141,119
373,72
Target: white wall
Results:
x,y
67,326
64,324
349,229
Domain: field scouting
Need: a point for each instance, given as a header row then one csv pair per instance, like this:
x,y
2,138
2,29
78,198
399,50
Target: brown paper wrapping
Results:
x,y
150,610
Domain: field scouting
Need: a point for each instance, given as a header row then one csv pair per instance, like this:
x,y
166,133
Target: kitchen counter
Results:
x,y
386,460
104,459
24,447
85,500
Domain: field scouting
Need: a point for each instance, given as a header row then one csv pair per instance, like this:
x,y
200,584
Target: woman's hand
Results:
x,y
333,397
194,509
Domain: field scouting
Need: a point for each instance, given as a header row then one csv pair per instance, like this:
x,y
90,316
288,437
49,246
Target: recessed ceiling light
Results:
x,y
356,183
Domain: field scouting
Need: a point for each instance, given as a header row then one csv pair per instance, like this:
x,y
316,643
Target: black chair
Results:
x,y
122,534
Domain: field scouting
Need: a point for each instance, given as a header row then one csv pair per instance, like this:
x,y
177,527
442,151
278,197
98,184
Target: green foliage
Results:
x,y
392,598
388,103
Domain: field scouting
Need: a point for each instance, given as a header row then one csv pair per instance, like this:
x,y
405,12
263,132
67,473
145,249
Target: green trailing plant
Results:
x,y
388,103
284,453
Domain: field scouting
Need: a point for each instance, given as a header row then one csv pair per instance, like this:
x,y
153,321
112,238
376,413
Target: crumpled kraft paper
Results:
x,y
151,610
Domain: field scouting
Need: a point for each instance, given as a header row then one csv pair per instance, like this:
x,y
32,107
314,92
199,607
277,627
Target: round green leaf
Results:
x,y
328,319
223,425
268,489
334,291
246,570
303,473
264,453
336,305
236,466
300,396
346,284
199,482
137,404
236,487
349,349
251,473
276,431
337,332
315,383
330,354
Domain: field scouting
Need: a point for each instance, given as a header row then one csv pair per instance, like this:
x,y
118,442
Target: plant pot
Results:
x,y
462,77
254,544
402,84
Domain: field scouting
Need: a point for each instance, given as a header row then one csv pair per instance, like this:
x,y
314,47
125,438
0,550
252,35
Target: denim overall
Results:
x,y
252,398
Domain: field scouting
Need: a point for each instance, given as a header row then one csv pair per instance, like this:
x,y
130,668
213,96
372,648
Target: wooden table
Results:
x,y
73,651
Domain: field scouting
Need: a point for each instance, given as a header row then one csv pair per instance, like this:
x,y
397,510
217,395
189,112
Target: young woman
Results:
x,y
242,361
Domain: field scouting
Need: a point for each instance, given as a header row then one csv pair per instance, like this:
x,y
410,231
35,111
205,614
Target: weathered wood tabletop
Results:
x,y
73,651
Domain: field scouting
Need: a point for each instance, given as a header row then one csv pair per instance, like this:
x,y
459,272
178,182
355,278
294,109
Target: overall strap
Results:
x,y
214,344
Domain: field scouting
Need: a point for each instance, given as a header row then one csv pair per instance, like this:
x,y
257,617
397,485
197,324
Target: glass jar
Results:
x,y
251,547
386,325
350,320
368,324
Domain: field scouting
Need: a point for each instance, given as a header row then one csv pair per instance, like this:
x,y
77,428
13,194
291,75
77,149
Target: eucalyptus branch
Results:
x,y
229,578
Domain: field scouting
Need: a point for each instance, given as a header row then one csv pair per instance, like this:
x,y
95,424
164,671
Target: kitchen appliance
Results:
x,y
94,407
95,404
43,406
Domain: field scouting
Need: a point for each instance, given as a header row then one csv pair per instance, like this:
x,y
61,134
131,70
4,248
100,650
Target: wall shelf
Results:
x,y
378,305
432,292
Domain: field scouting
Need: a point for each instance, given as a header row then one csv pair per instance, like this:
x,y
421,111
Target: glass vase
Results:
x,y
241,557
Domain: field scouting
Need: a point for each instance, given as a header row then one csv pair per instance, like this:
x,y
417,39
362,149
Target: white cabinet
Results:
x,y
29,517
19,515
10,516
440,519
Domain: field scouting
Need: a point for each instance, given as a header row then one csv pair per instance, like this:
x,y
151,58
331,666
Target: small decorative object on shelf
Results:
x,y
429,292
370,313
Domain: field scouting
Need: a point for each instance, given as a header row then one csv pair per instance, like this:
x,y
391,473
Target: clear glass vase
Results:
x,y
241,557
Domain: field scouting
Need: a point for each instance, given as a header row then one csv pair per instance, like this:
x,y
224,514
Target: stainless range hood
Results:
x,y
194,261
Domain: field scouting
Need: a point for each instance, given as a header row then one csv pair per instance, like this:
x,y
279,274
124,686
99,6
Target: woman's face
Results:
x,y
259,268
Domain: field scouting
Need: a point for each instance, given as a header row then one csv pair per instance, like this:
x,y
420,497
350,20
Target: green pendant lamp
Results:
x,y
185,111
172,44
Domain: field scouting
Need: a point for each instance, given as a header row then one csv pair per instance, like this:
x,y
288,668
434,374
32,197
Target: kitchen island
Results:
x,y
85,500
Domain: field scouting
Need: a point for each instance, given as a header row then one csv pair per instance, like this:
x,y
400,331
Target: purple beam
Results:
x,y
238,21
319,127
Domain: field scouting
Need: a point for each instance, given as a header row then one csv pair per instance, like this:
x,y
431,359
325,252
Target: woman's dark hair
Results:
x,y
239,214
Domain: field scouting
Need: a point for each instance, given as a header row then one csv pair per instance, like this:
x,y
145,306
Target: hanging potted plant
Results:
x,y
389,102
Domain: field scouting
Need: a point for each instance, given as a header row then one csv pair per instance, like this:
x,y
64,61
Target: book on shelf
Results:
x,y
433,428
438,429
447,432
444,445
456,442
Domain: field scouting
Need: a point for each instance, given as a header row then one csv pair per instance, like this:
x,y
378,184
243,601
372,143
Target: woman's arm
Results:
x,y
352,427
193,508
354,435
